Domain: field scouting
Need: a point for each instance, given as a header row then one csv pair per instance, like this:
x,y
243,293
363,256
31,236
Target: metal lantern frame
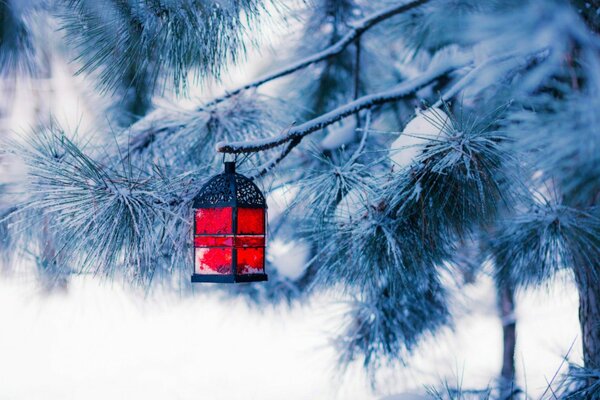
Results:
x,y
235,191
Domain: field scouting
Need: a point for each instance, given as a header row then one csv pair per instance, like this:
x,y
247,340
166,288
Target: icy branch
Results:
x,y
357,30
366,102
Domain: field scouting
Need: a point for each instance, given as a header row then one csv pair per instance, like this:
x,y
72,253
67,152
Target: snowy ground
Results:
x,y
101,341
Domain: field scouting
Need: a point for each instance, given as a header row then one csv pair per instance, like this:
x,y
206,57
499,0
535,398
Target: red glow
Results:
x,y
227,241
251,221
214,260
214,220
250,260
216,243
213,241
249,241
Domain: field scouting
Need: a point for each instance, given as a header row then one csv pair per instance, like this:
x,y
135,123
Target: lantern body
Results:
x,y
229,230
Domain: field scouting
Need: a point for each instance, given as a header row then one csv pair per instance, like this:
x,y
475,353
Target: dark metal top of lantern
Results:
x,y
230,189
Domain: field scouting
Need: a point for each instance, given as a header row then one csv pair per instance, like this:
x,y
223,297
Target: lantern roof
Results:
x,y
229,189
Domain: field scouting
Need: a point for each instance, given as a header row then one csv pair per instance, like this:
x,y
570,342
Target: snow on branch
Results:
x,y
298,132
357,30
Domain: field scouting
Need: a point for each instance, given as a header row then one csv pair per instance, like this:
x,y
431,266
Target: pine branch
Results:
x,y
356,93
18,52
156,43
144,140
6,213
102,219
366,102
351,37
265,168
387,326
472,75
190,136
532,247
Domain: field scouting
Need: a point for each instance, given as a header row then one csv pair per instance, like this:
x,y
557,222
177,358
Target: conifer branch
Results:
x,y
472,75
272,163
351,37
357,77
7,213
362,103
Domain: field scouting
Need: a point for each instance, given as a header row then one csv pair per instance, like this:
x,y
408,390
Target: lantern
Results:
x,y
229,230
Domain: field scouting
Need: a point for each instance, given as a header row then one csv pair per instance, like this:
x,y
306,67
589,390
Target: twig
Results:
x,y
6,214
551,390
357,77
357,30
565,358
271,164
366,102
363,140
468,78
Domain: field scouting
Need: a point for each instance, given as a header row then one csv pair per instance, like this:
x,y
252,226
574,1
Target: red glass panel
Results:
x,y
227,241
213,241
213,260
249,241
250,260
251,221
213,220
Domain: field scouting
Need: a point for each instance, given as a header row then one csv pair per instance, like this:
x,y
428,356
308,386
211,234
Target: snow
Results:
x,y
101,341
97,342
428,124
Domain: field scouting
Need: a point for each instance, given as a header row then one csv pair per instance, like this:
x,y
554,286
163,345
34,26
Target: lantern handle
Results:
x,y
230,167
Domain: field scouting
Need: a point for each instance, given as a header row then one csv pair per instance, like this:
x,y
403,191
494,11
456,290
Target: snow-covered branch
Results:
x,y
357,30
366,102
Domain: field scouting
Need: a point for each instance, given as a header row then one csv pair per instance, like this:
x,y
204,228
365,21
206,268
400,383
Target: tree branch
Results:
x,y
266,167
6,213
357,77
470,76
357,30
362,103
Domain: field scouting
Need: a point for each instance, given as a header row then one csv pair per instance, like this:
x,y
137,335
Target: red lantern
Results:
x,y
229,230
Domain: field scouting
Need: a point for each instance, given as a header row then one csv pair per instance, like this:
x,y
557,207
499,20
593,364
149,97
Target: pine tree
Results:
x,y
417,139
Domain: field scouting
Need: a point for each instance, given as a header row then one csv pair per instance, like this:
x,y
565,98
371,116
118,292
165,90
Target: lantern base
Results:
x,y
229,278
